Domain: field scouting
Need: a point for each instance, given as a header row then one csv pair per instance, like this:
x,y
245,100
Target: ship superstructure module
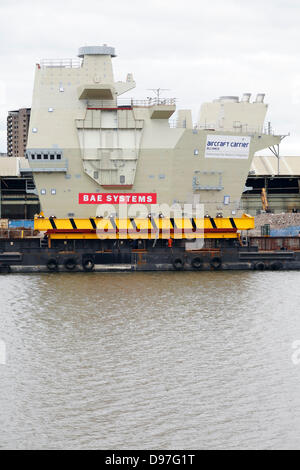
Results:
x,y
92,151
85,140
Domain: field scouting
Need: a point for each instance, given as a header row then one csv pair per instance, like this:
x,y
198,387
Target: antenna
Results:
x,y
157,91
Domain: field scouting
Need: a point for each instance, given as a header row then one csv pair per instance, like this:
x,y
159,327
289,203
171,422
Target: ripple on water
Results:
x,y
150,360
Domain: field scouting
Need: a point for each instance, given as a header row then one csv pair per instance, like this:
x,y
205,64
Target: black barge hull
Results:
x,y
30,255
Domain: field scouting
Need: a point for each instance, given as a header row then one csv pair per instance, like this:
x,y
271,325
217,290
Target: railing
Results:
x,y
174,123
154,102
130,102
63,63
244,129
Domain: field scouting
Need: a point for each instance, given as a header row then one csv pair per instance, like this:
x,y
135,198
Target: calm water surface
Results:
x,y
150,360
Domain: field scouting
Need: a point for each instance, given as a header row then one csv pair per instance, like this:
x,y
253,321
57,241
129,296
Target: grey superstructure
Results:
x,y
84,139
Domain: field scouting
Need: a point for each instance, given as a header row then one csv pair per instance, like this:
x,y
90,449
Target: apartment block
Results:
x,y
17,132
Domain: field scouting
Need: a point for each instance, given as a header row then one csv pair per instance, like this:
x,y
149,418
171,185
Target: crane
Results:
x,y
264,200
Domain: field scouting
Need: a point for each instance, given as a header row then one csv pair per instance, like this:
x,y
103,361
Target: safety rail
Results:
x,y
130,103
61,63
154,102
173,124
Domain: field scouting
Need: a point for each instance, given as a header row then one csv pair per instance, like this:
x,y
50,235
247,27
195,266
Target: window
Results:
x,y
51,157
58,156
122,179
43,192
39,156
34,130
53,192
32,157
96,175
196,152
46,157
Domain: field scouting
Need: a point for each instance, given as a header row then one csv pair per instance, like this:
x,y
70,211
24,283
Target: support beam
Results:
x,y
149,228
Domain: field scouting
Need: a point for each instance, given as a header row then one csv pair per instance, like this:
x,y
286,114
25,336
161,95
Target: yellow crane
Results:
x,y
264,200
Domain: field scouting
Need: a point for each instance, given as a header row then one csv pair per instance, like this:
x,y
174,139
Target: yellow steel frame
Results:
x,y
95,236
136,228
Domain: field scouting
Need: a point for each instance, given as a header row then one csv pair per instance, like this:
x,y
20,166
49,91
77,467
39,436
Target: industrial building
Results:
x,y
280,178
18,198
17,132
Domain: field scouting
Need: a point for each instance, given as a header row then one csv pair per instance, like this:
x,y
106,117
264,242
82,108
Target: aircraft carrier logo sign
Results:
x,y
227,146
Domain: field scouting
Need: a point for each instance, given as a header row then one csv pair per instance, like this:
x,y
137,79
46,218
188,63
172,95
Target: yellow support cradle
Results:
x,y
147,228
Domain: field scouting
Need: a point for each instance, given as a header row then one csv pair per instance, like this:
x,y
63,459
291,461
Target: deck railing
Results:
x,y
154,102
245,129
62,63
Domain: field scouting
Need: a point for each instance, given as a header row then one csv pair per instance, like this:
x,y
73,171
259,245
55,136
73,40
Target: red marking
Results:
x,y
117,198
112,109
139,230
71,230
220,230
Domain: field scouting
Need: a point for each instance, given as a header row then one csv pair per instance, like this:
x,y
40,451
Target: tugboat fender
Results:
x,y
70,264
88,264
197,263
52,265
216,262
178,264
260,266
276,266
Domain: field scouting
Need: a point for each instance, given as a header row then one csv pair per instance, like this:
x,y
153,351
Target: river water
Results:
x,y
150,361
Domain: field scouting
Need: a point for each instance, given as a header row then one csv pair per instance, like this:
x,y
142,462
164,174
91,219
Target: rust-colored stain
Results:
x,y
276,243
140,258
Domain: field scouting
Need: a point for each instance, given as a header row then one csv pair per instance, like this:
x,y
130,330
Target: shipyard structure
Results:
x,y
91,152
84,139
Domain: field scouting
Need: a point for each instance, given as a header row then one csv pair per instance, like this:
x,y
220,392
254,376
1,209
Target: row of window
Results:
x,y
16,137
45,156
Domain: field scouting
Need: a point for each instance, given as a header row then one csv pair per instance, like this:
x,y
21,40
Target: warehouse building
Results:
x,y
280,178
18,196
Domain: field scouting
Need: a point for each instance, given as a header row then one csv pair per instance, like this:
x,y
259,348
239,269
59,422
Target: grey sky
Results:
x,y
197,49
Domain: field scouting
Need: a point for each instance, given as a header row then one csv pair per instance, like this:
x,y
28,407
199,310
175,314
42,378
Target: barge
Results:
x,y
125,186
220,244
29,255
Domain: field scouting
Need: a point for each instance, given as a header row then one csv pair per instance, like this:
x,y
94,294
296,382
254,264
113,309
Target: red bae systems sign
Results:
x,y
117,198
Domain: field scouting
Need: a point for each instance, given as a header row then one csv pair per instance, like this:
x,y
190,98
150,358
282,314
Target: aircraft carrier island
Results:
x,y
134,185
